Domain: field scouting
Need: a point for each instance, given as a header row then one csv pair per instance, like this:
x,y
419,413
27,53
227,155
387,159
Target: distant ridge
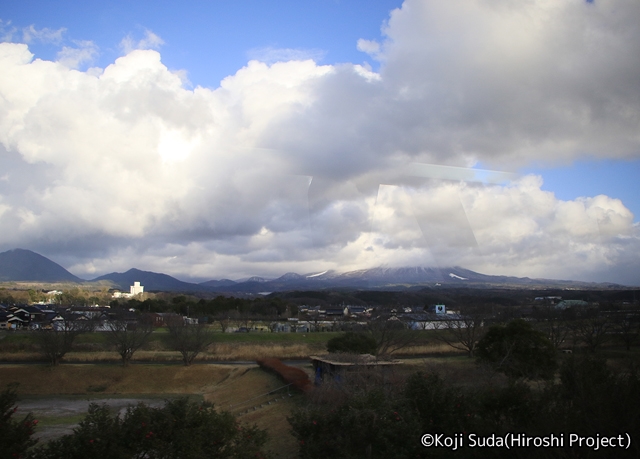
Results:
x,y
218,283
386,278
151,281
25,265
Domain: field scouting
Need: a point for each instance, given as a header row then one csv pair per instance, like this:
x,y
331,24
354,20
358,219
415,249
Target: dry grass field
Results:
x,y
69,379
92,371
216,353
228,347
253,395
257,397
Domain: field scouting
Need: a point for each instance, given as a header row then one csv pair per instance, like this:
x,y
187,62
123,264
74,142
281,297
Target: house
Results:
x,y
4,320
161,319
52,297
35,314
93,312
355,311
333,312
22,313
430,320
293,326
15,322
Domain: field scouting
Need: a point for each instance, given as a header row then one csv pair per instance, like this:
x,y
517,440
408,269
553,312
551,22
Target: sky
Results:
x,y
212,139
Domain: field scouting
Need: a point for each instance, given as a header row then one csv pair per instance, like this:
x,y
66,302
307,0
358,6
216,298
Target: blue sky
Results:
x,y
211,39
617,179
234,138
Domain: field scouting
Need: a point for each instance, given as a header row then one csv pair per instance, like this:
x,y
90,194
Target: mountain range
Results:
x,y
25,265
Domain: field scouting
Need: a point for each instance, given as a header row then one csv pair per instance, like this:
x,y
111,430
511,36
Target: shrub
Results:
x,y
353,343
291,375
180,429
598,400
368,425
590,400
15,435
518,350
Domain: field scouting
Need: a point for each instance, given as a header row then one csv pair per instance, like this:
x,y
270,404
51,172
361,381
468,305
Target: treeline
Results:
x,y
219,306
74,296
370,416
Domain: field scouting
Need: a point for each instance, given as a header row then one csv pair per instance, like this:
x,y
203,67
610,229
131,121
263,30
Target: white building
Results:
x,y
136,289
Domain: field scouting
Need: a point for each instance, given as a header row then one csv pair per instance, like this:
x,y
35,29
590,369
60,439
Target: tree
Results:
x,y
128,333
6,297
593,330
518,350
353,342
462,331
35,296
391,335
54,343
181,429
627,328
377,423
15,435
245,320
365,425
599,400
224,320
553,322
188,339
72,297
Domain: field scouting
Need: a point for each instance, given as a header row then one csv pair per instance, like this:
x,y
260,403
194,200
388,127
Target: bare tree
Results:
x,y
554,324
128,333
518,350
592,330
223,320
463,331
188,339
312,316
391,335
54,343
627,329
245,320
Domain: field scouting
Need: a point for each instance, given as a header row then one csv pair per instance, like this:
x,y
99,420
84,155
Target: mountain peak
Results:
x,y
290,277
150,280
257,279
25,265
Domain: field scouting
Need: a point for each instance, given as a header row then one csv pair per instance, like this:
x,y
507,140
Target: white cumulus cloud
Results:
x,y
149,41
45,35
73,57
290,165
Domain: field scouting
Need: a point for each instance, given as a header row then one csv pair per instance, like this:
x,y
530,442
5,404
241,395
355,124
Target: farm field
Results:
x,y
93,347
59,396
